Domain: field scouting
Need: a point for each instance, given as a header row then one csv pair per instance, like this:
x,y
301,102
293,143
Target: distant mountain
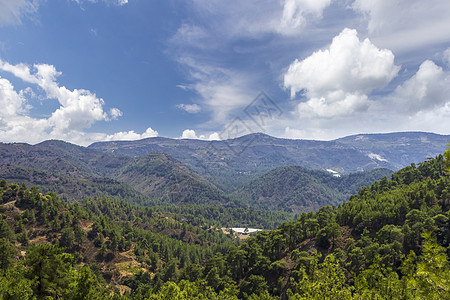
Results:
x,y
297,189
182,171
230,164
398,149
77,172
71,188
161,177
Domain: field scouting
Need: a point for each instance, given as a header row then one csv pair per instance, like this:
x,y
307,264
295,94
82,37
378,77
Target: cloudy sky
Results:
x,y
93,70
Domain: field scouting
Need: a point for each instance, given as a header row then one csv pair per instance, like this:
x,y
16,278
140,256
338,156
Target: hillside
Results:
x,y
389,241
73,188
399,149
298,189
77,172
106,241
161,177
229,164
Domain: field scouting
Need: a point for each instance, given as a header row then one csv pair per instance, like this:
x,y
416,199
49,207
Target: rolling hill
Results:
x,y
230,164
297,189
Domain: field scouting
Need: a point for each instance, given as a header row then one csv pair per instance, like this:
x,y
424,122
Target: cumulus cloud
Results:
x,y
12,11
295,13
115,113
336,80
190,108
191,134
11,102
130,135
427,90
78,109
420,103
400,24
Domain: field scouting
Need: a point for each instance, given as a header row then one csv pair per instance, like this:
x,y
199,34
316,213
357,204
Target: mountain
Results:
x,y
114,238
71,188
389,241
183,171
77,172
297,189
398,149
161,177
230,164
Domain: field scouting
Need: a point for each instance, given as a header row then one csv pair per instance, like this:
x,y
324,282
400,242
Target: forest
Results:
x,y
390,240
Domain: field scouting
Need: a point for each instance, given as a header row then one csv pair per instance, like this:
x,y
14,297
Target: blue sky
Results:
x,y
86,71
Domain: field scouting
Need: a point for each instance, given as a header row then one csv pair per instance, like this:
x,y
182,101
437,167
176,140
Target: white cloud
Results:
x,y
12,11
446,56
421,103
130,135
114,2
402,24
257,17
221,90
115,113
190,108
11,102
295,13
336,80
191,134
79,109
427,90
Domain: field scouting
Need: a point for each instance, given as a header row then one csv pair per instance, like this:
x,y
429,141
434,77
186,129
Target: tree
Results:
x,y
14,286
255,284
85,286
447,158
67,238
432,275
5,230
49,270
7,253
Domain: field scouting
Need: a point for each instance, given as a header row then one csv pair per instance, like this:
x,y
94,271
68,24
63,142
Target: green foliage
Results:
x,y
297,189
371,247
47,267
7,254
447,158
67,237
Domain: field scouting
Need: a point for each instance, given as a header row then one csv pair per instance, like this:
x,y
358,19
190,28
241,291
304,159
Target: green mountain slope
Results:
x,y
162,177
298,189
389,241
73,188
103,244
230,164
77,172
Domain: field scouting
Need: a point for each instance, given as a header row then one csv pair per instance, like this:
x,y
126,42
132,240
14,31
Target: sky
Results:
x,y
99,70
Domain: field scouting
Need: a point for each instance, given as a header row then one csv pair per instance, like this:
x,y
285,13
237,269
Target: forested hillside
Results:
x,y
389,241
297,189
159,176
232,163
75,173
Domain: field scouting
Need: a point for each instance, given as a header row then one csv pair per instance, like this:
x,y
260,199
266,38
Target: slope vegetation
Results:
x,y
298,189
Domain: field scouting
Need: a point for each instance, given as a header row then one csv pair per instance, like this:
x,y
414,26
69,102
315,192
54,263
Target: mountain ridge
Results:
x,y
230,164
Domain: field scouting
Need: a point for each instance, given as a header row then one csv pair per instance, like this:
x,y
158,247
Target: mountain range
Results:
x,y
230,164
257,170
